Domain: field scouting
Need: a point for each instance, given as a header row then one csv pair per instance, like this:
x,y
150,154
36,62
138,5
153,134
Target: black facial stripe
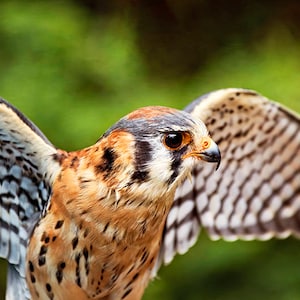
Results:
x,y
142,158
142,152
176,163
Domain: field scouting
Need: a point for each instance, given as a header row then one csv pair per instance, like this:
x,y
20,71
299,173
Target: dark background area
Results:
x,y
75,67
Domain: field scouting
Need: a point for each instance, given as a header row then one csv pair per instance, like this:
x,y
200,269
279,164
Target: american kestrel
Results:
x,y
99,222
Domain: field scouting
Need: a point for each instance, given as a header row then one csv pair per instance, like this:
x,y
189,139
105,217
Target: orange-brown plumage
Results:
x,y
115,241
101,233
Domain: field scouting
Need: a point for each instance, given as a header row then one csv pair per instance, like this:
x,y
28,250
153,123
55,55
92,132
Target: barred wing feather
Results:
x,y
27,168
255,194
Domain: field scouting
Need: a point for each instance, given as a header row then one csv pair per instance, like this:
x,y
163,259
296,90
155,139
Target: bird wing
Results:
x,y
255,194
25,184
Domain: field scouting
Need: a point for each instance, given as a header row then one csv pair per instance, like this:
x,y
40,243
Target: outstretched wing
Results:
x,y
27,167
255,194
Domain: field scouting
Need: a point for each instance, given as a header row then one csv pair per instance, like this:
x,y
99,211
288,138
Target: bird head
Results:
x,y
151,150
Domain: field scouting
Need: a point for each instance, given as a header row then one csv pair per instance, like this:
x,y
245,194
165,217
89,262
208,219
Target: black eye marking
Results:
x,y
142,158
173,140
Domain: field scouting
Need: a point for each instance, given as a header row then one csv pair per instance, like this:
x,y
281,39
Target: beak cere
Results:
x,y
208,151
211,154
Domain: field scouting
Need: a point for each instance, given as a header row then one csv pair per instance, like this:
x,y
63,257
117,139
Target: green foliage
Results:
x,y
74,73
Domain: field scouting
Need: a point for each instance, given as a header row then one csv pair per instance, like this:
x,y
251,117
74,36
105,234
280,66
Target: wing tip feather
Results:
x,y
25,120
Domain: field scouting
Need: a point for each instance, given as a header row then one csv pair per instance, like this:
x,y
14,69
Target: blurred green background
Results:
x,y
75,67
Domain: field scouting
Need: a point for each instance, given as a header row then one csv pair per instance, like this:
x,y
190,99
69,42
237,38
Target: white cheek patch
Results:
x,y
160,170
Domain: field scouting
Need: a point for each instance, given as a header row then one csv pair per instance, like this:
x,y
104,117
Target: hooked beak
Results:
x,y
209,152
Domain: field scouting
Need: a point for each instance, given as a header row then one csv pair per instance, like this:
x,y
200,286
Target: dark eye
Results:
x,y
173,140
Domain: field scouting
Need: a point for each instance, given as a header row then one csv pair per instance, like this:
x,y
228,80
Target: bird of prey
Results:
x,y
98,223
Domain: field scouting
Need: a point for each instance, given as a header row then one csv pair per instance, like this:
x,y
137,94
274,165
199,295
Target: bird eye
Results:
x,y
175,140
